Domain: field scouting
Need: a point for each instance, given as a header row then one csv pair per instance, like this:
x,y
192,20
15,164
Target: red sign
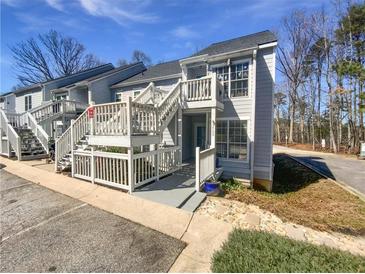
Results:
x,y
90,112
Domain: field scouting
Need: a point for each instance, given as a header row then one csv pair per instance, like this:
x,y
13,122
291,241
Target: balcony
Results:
x,y
202,92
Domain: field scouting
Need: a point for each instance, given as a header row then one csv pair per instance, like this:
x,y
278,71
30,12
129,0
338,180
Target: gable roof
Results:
x,y
239,43
156,71
39,85
104,74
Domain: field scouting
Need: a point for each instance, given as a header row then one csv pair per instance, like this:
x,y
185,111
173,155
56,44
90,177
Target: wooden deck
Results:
x,y
176,190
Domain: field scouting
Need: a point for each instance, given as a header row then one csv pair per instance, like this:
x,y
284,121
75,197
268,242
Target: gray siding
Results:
x,y
168,135
263,118
9,103
79,95
100,89
72,79
162,84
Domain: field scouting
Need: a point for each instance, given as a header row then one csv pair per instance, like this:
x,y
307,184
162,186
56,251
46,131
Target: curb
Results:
x,y
339,183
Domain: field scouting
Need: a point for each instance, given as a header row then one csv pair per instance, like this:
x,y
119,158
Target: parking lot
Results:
x,y
44,231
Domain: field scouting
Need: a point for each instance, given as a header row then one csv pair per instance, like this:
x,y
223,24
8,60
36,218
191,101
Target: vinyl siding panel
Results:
x,y
9,103
100,89
36,95
168,135
72,79
264,108
166,85
79,95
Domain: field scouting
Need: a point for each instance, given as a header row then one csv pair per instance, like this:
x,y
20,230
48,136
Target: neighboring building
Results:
x,y
96,89
29,97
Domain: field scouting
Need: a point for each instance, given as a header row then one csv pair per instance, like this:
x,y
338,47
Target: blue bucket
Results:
x,y
211,186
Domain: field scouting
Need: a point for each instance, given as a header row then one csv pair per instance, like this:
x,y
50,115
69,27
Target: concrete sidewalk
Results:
x,y
203,234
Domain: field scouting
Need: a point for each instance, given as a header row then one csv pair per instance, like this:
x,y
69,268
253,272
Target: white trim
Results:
x,y
253,114
142,81
193,59
268,45
272,114
242,118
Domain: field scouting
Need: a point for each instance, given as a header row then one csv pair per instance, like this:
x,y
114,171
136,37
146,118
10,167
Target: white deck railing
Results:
x,y
146,95
12,137
38,131
203,89
169,104
111,119
50,109
198,89
205,166
144,119
113,169
24,120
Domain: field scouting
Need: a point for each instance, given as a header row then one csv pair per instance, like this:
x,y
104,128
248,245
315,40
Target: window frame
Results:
x,y
28,104
228,119
235,62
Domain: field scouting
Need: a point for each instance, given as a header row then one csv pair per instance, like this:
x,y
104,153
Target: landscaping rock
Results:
x,y
248,216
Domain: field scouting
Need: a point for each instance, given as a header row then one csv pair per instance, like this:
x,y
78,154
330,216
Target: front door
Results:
x,y
200,136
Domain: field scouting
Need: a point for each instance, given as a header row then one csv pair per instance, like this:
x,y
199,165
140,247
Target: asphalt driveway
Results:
x,y
349,171
44,231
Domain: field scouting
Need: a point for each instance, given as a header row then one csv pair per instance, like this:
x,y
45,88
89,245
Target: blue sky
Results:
x,y
164,29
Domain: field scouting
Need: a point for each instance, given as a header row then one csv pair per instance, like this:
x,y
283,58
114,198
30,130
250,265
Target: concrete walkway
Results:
x,y
346,170
203,234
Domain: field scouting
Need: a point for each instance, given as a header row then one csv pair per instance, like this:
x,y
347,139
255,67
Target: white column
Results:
x,y
130,170
72,149
179,132
197,169
92,170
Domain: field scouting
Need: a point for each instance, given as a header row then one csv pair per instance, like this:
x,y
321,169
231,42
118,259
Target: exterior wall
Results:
x,y
36,99
129,90
9,103
79,95
100,89
72,79
264,111
239,108
168,135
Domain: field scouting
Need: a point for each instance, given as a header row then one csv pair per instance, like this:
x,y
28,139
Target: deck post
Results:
x,y
197,169
158,163
72,149
130,170
129,116
92,169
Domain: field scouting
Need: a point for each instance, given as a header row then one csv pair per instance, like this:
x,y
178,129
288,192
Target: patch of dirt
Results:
x,y
303,197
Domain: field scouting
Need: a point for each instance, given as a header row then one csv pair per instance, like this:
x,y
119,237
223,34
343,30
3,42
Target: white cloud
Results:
x,y
184,32
122,11
56,4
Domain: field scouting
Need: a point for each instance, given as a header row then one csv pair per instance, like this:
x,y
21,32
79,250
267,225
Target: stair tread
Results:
x,y
194,201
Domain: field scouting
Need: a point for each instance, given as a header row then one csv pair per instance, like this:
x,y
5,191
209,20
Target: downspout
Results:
x,y
253,116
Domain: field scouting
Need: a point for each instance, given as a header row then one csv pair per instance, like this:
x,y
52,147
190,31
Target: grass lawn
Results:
x,y
249,251
303,197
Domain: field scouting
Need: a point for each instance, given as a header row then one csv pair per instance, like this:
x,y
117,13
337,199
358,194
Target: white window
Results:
x,y
234,79
136,93
60,96
118,97
231,139
28,102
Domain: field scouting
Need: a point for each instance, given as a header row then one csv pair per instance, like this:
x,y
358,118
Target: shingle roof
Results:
x,y
33,86
98,76
159,70
243,42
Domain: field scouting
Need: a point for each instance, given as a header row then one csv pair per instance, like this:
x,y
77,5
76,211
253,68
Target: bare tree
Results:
x,y
140,56
48,56
122,62
292,54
